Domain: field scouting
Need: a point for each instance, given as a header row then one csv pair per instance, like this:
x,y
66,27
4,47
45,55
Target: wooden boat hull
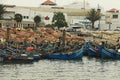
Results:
x,y
36,57
105,53
64,56
98,51
91,51
18,60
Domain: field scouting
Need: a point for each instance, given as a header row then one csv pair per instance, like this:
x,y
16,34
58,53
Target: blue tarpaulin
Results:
x,y
86,23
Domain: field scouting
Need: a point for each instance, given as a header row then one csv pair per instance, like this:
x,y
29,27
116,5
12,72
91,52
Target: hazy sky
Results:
x,y
106,4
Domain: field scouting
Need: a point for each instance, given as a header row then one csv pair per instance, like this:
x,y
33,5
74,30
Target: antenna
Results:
x,y
98,6
84,4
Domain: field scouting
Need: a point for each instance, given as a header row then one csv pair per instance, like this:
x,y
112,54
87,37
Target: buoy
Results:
x,y
29,48
9,58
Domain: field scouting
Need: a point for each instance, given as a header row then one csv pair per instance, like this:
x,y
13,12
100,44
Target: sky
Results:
x,y
106,4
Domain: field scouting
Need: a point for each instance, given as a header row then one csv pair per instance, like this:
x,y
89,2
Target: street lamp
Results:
x,y
99,10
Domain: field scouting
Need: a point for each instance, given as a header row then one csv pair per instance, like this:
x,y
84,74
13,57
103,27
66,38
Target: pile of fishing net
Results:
x,y
38,36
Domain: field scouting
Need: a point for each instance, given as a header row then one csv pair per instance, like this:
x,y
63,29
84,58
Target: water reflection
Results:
x,y
85,69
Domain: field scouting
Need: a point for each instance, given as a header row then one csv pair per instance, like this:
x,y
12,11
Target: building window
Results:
x,y
25,17
115,16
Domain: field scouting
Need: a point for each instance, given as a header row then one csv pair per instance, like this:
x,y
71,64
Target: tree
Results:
x,y
2,11
37,20
93,16
18,18
59,20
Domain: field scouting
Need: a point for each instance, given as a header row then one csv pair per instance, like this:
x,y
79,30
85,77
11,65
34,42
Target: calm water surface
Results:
x,y
85,69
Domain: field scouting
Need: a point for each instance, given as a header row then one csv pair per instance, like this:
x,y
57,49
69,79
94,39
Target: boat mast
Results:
x,y
64,39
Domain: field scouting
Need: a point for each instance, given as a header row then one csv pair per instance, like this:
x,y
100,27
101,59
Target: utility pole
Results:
x,y
84,4
99,10
84,13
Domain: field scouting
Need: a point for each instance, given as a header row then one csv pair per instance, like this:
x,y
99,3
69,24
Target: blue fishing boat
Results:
x,y
106,53
100,51
117,56
64,56
91,50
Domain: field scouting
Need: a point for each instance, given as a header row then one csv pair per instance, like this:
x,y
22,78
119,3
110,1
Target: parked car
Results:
x,y
70,30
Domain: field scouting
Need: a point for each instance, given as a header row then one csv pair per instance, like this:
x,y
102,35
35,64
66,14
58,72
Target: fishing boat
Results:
x,y
91,50
18,59
100,51
106,53
17,56
117,56
64,56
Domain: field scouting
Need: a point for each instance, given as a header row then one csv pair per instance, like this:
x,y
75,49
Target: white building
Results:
x,y
78,5
113,18
75,15
46,9
110,20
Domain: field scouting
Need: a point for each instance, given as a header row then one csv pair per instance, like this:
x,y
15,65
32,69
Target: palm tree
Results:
x,y
18,18
2,11
93,16
59,20
37,20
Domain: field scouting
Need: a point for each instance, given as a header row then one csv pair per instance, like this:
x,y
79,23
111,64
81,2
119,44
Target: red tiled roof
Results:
x,y
48,2
113,10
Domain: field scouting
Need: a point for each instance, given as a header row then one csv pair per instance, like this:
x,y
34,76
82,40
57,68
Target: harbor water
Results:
x,y
85,69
